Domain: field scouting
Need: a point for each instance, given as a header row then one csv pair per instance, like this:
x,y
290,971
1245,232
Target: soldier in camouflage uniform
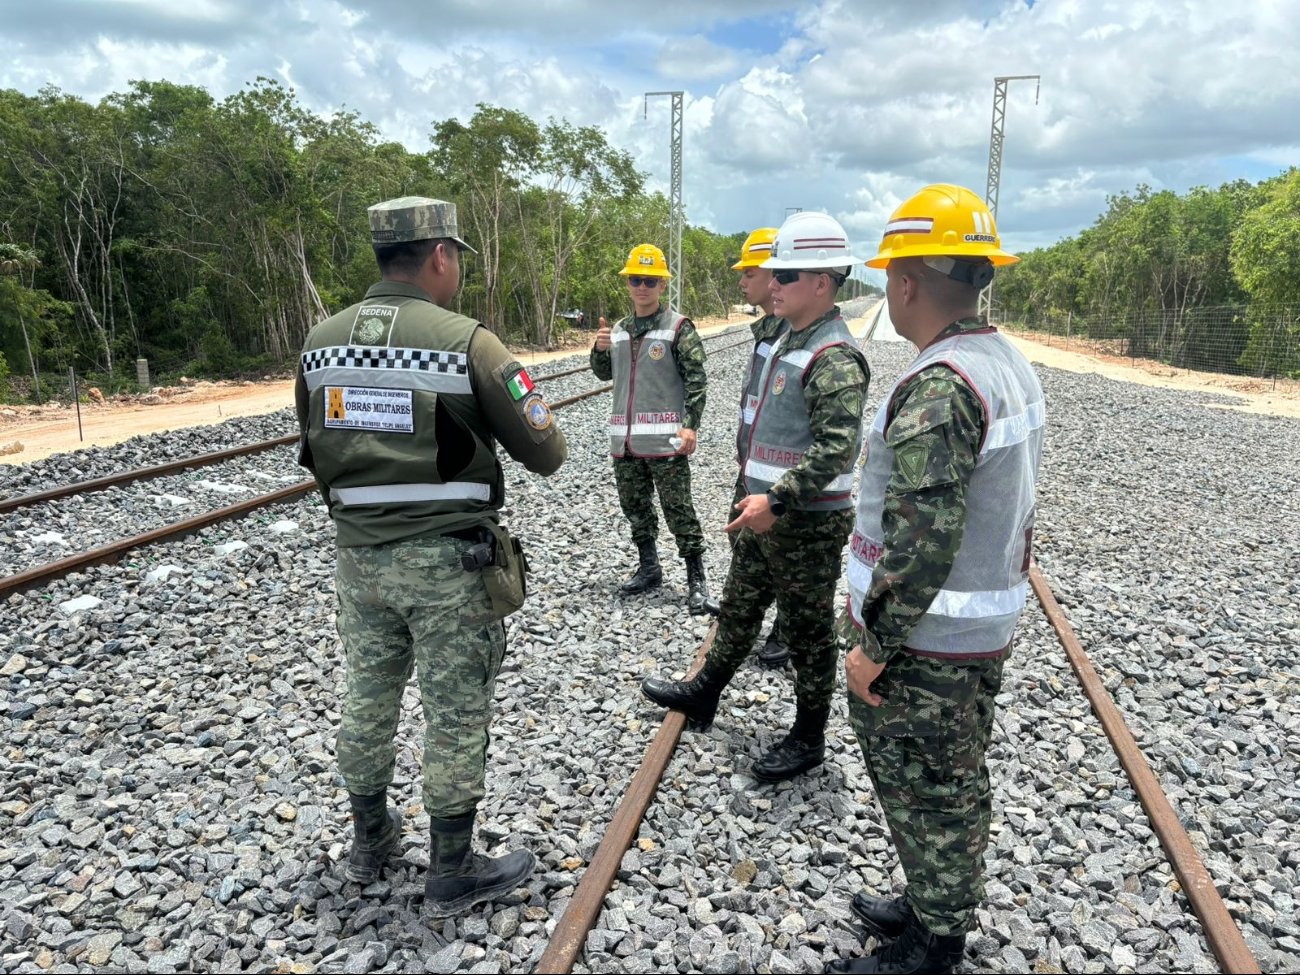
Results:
x,y
656,360
401,404
796,517
756,286
937,574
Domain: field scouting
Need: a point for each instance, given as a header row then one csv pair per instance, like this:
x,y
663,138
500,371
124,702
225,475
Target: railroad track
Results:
x,y
41,575
566,942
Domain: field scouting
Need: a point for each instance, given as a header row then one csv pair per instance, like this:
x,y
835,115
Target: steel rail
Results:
x,y
584,907
1221,932
104,554
111,552
142,473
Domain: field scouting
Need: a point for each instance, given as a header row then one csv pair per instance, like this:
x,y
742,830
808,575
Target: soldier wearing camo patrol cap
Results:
x,y
401,404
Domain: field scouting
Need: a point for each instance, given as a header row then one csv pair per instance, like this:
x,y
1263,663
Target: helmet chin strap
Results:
x,y
978,274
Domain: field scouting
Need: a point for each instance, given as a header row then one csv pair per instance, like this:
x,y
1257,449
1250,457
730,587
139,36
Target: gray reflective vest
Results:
x,y
781,432
374,373
649,396
975,613
763,349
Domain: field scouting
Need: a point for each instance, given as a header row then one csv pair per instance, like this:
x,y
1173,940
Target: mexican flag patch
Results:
x,y
520,386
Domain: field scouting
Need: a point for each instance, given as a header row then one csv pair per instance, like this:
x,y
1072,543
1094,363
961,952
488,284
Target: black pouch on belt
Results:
x,y
504,572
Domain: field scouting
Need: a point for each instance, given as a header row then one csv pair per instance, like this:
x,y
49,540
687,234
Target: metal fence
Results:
x,y
1238,340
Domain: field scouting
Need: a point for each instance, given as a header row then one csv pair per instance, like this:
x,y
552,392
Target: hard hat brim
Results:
x,y
627,272
997,257
809,263
747,263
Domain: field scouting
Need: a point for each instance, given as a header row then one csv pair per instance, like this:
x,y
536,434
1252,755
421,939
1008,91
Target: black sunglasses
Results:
x,y
637,281
790,276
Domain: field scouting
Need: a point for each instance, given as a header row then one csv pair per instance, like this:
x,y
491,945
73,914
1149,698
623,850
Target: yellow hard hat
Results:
x,y
757,249
942,221
647,260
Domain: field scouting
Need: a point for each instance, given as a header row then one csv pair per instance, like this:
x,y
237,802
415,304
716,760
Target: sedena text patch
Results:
x,y
368,408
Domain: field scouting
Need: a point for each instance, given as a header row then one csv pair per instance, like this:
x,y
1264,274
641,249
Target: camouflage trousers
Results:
x,y
408,605
797,563
638,478
925,749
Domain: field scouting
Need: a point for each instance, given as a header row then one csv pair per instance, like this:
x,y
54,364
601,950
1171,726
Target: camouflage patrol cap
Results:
x,y
414,218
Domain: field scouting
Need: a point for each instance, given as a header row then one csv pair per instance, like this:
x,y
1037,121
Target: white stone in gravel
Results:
x,y
220,488
14,665
171,499
226,548
161,574
284,527
50,538
71,606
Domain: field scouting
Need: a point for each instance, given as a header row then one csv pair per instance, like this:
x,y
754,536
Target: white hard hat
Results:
x,y
811,240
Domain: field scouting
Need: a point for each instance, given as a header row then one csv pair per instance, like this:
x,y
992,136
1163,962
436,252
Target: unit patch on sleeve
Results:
x,y
369,409
537,413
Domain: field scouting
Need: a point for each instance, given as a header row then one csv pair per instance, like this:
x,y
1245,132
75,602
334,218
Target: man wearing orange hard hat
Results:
x,y
656,360
756,286
938,574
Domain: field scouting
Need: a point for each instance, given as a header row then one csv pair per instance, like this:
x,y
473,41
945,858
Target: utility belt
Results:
x,y
500,559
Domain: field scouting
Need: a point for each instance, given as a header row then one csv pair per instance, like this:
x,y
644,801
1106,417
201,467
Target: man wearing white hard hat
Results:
x,y
756,286
796,518
938,574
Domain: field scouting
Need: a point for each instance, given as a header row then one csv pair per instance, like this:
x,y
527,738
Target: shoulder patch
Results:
x,y
537,413
373,325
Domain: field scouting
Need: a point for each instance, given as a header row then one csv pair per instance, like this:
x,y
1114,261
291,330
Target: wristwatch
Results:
x,y
778,507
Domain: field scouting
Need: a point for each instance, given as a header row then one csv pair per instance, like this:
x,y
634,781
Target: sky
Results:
x,y
847,107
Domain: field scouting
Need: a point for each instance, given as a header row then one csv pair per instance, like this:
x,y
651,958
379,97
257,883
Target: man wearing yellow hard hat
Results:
x,y
798,508
756,286
938,573
656,361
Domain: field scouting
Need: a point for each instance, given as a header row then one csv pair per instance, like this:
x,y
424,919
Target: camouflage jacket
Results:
x,y
834,393
690,365
935,424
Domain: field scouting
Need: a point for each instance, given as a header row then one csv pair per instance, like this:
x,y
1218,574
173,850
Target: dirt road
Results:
x,y
53,429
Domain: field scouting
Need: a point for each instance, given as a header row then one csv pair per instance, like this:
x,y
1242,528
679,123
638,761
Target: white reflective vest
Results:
x,y
782,432
750,391
976,611
649,396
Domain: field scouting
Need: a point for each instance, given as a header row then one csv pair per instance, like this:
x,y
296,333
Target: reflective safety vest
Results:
x,y
374,373
649,397
782,433
750,390
975,613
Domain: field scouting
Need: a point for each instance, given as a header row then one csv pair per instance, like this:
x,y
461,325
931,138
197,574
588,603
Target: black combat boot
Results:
x,y
458,877
649,575
915,952
773,653
377,830
802,749
697,698
698,602
885,917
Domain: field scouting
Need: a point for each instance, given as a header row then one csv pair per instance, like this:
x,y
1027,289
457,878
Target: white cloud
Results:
x,y
696,58
858,105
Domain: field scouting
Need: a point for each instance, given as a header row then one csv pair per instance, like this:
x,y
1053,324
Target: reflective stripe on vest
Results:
x,y
976,611
423,369
411,493
750,390
649,397
782,433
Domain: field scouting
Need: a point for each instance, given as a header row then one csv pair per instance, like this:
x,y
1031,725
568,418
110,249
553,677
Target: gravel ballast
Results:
x,y
169,799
